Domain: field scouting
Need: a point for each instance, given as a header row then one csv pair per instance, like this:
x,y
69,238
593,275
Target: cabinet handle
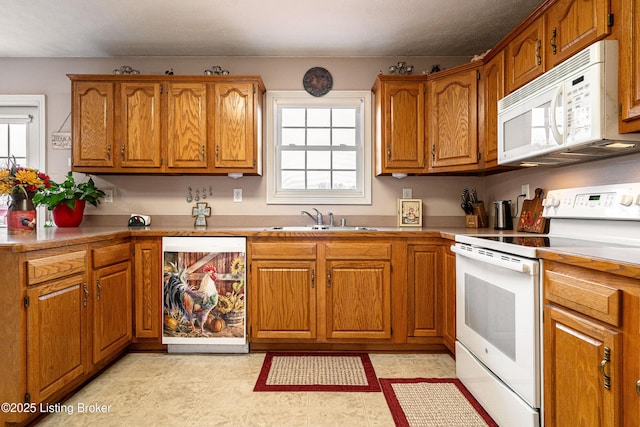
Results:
x,y
328,277
99,285
313,277
638,388
538,57
388,153
433,153
86,294
603,364
552,42
122,152
203,152
108,151
217,151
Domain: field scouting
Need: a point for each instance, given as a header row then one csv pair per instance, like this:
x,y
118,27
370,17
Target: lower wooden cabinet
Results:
x,y
111,295
148,289
591,345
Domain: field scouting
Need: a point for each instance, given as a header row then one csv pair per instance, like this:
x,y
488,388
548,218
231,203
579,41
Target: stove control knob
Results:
x,y
551,202
637,201
625,199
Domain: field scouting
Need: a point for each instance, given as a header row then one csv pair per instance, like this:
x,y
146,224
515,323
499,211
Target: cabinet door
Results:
x,y
187,126
572,25
453,115
56,336
525,55
359,299
148,284
235,126
284,296
140,141
424,313
93,120
578,354
629,73
112,317
449,298
492,91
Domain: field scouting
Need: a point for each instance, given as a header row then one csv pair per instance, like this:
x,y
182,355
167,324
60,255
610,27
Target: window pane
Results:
x,y
319,117
319,180
344,137
4,140
292,160
293,180
292,136
343,180
344,160
18,140
318,160
293,117
318,137
344,117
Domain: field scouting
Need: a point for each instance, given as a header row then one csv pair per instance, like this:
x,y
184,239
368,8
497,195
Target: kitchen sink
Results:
x,y
318,228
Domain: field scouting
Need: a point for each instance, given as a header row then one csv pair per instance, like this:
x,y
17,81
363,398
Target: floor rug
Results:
x,y
317,372
433,402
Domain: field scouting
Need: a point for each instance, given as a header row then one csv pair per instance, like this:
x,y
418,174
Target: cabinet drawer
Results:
x,y
56,266
109,255
284,250
359,250
591,298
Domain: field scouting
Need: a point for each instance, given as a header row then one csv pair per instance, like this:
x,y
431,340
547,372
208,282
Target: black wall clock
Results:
x,y
317,81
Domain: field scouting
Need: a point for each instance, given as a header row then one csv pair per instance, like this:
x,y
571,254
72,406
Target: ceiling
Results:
x,y
332,28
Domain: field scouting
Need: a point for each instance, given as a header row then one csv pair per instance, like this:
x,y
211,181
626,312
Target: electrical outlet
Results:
x,y
407,193
237,195
524,189
108,198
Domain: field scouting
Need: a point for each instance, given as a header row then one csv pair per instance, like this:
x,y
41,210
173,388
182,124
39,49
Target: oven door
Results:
x,y
498,315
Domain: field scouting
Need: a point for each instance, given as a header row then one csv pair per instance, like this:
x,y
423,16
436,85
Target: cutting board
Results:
x,y
531,219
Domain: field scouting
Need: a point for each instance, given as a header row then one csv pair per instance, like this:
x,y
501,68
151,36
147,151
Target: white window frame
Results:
x,y
362,196
36,146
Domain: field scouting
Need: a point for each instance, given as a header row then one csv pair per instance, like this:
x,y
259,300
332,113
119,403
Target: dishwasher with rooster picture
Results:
x,y
204,294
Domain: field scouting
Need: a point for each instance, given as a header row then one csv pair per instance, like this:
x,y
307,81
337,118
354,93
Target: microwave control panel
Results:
x,y
613,201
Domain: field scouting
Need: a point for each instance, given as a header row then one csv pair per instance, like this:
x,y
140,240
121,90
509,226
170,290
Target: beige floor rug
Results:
x,y
317,372
433,402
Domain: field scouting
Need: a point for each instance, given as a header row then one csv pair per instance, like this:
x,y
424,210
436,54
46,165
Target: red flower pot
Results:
x,y
64,216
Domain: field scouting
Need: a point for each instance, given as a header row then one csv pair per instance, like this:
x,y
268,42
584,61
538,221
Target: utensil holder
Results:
x,y
479,219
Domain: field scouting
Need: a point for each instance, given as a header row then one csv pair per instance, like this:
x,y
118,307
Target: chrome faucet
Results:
x,y
317,218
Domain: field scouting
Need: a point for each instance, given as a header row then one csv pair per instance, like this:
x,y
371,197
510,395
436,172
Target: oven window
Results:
x,y
490,312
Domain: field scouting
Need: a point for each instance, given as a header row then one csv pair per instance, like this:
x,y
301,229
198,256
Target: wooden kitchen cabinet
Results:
x,y
93,124
424,289
358,288
591,344
629,63
147,273
400,124
453,118
167,124
56,324
449,296
525,58
491,91
572,25
283,290
237,126
112,300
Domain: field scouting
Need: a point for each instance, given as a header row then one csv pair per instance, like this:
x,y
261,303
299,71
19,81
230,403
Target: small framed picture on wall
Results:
x,y
409,212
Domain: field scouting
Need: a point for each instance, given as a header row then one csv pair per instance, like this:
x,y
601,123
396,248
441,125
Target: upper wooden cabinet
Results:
x,y
453,118
525,55
400,123
629,72
491,91
160,124
573,25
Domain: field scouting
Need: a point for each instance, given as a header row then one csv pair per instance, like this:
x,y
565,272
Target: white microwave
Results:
x,y
568,114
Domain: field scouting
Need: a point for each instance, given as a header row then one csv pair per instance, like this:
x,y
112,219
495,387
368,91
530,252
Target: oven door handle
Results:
x,y
519,267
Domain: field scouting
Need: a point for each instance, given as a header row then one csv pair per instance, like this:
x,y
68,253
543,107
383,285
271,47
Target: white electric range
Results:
x,y
499,294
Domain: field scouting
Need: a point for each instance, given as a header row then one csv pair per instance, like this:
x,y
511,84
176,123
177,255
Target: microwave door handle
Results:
x,y
560,139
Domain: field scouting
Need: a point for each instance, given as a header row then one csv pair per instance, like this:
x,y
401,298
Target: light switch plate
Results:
x,y
407,193
237,195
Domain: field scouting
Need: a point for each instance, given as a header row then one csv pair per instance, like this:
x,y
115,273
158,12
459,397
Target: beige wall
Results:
x,y
166,195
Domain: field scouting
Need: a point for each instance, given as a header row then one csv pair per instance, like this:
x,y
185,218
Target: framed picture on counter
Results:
x,y
409,212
